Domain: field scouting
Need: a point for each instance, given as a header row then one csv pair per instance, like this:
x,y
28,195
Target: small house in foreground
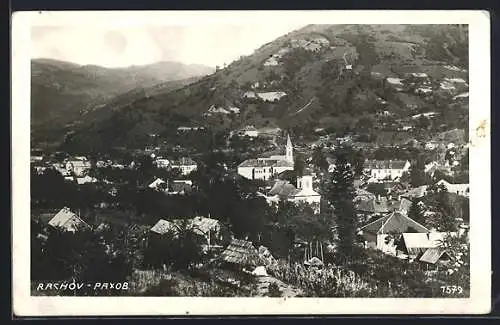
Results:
x,y
67,221
241,254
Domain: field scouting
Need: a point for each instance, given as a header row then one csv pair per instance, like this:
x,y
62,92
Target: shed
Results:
x,y
241,253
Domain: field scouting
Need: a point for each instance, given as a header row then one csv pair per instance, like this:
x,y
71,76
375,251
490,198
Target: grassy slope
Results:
x,y
389,50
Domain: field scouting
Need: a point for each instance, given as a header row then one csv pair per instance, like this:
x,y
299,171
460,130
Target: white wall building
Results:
x,y
185,164
460,189
386,169
266,168
78,166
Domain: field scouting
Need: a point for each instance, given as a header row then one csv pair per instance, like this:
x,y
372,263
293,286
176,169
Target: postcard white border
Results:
x,y
480,196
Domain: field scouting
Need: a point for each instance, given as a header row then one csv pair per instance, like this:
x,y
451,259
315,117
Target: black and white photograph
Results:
x,y
257,157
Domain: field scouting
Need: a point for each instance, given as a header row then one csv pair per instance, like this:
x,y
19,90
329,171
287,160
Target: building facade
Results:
x,y
266,168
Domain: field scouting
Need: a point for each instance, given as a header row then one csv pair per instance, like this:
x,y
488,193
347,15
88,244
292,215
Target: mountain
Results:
x,y
62,91
335,77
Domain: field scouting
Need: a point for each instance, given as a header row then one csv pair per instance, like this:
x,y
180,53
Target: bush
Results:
x,y
274,290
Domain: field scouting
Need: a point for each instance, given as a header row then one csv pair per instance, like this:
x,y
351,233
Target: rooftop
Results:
x,y
395,222
241,252
184,161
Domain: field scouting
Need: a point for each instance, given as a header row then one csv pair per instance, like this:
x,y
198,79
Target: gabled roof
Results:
x,y
423,240
283,189
415,243
156,182
433,255
163,226
396,222
67,220
258,163
202,224
241,252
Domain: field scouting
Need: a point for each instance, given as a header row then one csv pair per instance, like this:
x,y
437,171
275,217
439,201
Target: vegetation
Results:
x,y
341,196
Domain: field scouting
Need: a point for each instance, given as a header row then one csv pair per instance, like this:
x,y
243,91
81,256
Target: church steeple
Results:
x,y
289,149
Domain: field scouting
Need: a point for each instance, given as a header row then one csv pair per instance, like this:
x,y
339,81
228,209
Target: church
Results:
x,y
266,168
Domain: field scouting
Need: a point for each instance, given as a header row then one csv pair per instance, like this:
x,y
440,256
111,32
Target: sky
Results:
x,y
209,45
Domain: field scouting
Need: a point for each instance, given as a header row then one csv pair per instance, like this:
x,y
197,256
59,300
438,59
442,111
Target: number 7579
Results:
x,y
452,289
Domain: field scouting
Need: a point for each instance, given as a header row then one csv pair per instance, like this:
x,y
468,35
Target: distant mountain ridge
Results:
x,y
320,76
62,91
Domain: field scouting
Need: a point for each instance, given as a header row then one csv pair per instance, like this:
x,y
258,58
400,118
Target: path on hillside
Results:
x,y
304,107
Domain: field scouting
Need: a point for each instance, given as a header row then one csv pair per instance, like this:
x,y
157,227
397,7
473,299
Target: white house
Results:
x,y
78,166
67,221
156,184
185,164
460,189
379,234
386,169
249,131
303,193
161,162
306,193
266,168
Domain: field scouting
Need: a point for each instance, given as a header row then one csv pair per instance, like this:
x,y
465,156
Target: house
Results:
x,y
414,245
373,206
241,254
185,164
179,187
163,227
386,169
376,233
161,162
303,193
157,184
266,168
363,195
209,228
431,168
460,189
249,131
78,166
67,221
85,179
415,193
433,257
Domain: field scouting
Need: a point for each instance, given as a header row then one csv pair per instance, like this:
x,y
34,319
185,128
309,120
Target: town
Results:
x,y
333,161
261,226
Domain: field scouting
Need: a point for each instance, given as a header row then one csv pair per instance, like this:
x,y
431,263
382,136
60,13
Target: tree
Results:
x,y
416,213
423,122
299,165
319,159
358,161
341,196
417,172
442,218
274,290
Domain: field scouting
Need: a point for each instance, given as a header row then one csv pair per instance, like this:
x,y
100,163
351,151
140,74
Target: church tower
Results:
x,y
289,150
